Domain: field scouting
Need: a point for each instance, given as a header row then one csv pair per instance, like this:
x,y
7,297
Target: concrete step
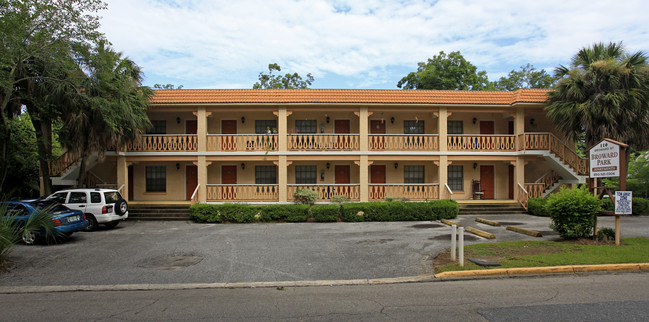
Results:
x,y
159,212
491,209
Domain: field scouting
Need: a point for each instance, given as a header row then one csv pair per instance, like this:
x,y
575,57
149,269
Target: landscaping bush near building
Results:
x,y
351,211
536,207
305,196
572,212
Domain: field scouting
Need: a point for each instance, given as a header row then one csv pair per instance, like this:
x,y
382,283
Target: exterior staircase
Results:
x,y
492,209
158,212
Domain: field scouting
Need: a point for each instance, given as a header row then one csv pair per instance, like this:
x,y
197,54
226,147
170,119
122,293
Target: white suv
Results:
x,y
101,206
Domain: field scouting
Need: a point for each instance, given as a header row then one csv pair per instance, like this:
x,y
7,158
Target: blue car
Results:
x,y
66,221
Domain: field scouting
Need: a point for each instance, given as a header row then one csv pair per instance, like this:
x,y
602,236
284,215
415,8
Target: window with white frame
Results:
x,y
159,127
265,126
413,174
455,127
413,127
306,174
265,174
156,179
306,126
456,177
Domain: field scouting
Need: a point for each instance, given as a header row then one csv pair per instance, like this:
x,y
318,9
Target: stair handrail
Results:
x,y
195,194
64,162
580,169
523,196
449,190
121,187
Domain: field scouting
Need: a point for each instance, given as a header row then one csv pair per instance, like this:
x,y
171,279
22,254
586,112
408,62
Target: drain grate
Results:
x,y
170,262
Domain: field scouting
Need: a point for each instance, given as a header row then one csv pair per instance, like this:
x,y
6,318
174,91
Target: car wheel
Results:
x,y
92,223
112,224
29,238
121,207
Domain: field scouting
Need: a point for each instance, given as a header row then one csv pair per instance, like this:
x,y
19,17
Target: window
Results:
x,y
306,174
456,177
306,126
159,127
95,197
413,174
455,127
265,174
156,179
265,126
413,127
78,197
59,197
14,209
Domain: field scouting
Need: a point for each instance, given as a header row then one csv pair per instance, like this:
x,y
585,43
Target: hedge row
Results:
x,y
365,211
537,206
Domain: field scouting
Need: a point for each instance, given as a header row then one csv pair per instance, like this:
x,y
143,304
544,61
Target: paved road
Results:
x,y
184,252
595,297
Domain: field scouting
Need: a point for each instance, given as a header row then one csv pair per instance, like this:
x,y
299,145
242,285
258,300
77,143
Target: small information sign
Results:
x,y
623,203
605,160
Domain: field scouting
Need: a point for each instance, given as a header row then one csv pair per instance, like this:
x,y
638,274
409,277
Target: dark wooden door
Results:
x,y
229,142
191,180
377,127
511,181
377,176
343,142
229,177
486,127
487,181
191,126
342,174
131,186
510,127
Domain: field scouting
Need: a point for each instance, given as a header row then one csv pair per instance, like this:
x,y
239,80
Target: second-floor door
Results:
x,y
229,143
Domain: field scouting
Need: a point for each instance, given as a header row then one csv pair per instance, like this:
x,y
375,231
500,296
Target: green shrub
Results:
x,y
305,196
292,213
339,199
325,213
536,207
444,209
573,212
607,204
236,213
353,212
606,234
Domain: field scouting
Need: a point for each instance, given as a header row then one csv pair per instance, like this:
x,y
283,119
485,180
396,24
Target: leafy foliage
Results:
x,y
640,205
325,213
305,196
526,77
446,72
637,175
167,86
11,230
537,207
287,81
573,212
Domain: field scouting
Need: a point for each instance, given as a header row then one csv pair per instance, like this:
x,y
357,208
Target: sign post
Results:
x,y
608,159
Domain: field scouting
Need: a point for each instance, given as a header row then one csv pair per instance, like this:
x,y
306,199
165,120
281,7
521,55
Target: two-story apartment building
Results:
x,y
263,145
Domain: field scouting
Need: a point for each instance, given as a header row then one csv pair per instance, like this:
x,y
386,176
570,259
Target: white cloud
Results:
x,y
227,43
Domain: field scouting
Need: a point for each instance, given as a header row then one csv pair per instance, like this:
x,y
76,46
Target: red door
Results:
x,y
487,181
191,126
229,180
510,127
377,176
342,127
229,142
191,180
511,181
486,127
377,127
131,186
342,174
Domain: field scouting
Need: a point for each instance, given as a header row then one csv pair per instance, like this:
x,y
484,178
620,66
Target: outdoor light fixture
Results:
x,y
178,120
396,165
475,165
475,120
177,166
243,166
328,165
532,121
243,119
328,119
321,175
392,120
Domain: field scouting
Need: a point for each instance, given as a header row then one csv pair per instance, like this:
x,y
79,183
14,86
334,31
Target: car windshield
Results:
x,y
112,196
53,207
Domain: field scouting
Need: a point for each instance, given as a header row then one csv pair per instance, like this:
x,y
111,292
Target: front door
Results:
x,y
377,176
487,181
377,127
342,174
131,186
511,181
229,143
229,181
191,127
486,127
342,127
191,180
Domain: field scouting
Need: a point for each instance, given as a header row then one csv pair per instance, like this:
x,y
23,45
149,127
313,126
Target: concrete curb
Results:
x,y
480,233
528,232
545,270
488,222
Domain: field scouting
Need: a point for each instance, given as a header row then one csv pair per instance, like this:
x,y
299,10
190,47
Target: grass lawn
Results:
x,y
548,253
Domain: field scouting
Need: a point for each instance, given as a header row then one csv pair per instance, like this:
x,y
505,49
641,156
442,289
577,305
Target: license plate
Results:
x,y
73,218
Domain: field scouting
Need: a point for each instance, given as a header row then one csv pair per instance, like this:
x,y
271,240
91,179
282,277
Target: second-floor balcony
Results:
x,y
165,143
241,142
404,142
323,142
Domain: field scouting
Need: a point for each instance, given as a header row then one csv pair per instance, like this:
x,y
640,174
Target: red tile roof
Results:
x,y
346,96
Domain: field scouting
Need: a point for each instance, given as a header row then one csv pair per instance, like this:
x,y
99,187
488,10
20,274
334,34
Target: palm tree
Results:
x,y
112,107
603,94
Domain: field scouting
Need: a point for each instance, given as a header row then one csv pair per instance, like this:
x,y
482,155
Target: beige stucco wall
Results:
x,y
501,121
175,182
106,169
173,127
501,179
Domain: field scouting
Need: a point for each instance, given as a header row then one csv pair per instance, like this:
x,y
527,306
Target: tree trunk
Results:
x,y
43,130
82,170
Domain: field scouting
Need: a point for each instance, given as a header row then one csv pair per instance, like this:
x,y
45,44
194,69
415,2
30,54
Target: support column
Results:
x,y
519,130
202,178
364,178
282,128
442,126
122,176
363,128
519,126
519,175
201,129
282,178
443,177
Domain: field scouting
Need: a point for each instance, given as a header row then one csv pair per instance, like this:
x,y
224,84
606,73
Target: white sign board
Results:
x,y
605,160
623,202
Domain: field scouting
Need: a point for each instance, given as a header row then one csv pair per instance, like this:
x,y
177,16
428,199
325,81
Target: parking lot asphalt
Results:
x,y
164,252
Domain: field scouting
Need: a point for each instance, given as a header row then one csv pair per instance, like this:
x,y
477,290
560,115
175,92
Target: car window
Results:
x,y
112,196
59,197
53,207
78,197
14,209
95,197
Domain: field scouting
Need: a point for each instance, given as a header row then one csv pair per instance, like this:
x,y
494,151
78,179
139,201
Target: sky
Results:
x,y
360,44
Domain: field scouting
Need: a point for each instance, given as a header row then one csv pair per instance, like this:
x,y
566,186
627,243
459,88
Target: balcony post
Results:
x,y
122,175
282,178
519,125
442,125
202,178
201,129
364,178
363,130
443,176
282,128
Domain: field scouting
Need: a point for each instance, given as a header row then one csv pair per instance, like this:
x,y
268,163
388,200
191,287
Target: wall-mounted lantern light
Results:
x,y
475,165
475,120
178,120
532,121
328,165
243,166
243,119
392,120
177,166
327,119
396,165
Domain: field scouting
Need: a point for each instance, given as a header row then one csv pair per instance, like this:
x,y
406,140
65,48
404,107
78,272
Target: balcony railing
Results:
x,y
404,142
326,191
242,192
323,142
426,191
547,141
165,142
481,142
242,142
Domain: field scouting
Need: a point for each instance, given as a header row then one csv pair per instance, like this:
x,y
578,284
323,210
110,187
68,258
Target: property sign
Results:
x,y
623,203
605,160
